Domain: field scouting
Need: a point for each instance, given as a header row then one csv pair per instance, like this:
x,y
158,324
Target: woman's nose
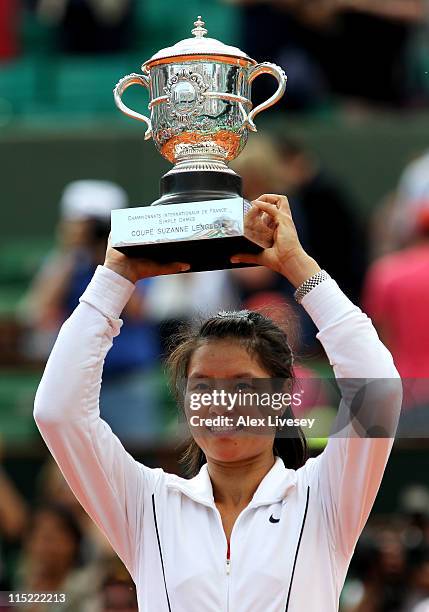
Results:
x,y
219,403
217,410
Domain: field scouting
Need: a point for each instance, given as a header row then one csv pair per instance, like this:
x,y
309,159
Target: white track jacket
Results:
x,y
167,529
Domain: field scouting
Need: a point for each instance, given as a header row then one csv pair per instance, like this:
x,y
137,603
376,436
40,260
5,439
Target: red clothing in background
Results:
x,y
8,28
396,297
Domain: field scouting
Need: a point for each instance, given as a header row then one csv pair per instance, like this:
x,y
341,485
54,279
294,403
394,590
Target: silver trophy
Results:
x,y
201,115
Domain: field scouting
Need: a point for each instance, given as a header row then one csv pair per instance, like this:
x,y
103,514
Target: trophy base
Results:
x,y
199,219
194,186
202,255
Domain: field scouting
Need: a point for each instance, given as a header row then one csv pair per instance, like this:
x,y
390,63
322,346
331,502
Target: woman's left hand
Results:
x,y
286,255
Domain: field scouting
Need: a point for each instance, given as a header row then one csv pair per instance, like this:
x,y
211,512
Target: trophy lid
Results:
x,y
199,45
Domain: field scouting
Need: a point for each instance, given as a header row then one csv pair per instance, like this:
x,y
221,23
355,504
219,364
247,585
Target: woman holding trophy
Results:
x,y
257,528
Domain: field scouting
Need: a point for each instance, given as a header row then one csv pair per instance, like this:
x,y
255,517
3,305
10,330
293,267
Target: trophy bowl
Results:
x,y
200,117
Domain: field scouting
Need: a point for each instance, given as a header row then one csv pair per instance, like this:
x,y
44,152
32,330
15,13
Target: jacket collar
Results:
x,y
273,488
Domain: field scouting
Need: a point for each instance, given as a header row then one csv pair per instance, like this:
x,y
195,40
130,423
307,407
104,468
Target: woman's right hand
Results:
x,y
136,269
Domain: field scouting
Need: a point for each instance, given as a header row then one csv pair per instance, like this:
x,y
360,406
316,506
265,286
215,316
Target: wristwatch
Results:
x,y
309,284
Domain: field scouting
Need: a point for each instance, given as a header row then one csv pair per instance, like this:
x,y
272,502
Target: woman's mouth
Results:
x,y
225,429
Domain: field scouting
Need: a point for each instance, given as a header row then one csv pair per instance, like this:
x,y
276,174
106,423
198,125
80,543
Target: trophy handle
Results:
x,y
122,85
279,74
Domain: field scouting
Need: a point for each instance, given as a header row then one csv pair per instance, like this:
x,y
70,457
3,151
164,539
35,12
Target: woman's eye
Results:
x,y
200,386
242,386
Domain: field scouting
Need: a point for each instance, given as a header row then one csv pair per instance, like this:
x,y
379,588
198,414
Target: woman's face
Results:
x,y
226,365
50,543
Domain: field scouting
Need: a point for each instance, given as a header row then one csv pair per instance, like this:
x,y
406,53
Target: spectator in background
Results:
x,y
378,72
320,45
394,219
100,582
418,580
53,489
81,241
13,517
9,23
382,237
295,38
50,561
90,26
379,568
117,592
390,569
414,505
171,300
81,236
327,211
396,294
411,201
260,167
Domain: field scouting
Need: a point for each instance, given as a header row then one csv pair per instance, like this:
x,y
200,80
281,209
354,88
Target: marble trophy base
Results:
x,y
210,252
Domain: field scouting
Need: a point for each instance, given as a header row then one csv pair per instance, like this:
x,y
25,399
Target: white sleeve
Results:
x,y
348,472
106,480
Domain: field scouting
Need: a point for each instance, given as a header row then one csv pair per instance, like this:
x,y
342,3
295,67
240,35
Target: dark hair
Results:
x,y
262,338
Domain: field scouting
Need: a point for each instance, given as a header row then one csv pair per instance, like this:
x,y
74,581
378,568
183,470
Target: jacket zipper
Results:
x,y
228,571
228,556
227,560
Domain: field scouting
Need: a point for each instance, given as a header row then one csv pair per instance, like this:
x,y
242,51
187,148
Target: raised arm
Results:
x,y
347,475
106,480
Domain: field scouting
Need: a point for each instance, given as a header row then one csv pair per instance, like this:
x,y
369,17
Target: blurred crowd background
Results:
x,y
349,145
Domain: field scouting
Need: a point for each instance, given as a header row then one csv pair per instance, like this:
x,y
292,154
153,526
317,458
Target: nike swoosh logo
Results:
x,y
273,520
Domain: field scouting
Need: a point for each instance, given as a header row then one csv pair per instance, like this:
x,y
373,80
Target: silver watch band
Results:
x,y
309,284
